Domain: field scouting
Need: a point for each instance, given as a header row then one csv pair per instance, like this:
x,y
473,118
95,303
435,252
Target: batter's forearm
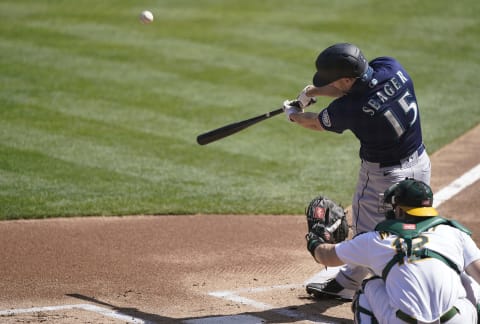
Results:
x,y
325,91
307,119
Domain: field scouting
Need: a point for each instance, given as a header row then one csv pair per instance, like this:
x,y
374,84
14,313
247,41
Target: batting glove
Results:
x,y
306,101
290,107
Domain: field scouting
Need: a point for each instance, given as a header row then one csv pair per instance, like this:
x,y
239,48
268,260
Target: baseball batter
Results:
x,y
417,257
376,101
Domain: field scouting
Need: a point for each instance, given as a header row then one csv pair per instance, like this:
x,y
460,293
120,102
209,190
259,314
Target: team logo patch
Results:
x,y
427,203
409,226
319,213
326,119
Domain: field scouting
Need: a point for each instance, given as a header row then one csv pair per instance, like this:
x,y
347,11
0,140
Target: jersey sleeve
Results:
x,y
353,251
471,252
332,118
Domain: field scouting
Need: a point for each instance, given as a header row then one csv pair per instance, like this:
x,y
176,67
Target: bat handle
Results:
x,y
274,112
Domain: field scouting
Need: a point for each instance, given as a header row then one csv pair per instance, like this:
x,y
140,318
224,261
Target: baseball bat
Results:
x,y
227,130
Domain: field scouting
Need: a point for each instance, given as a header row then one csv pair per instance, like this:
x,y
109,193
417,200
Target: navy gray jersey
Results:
x,y
381,111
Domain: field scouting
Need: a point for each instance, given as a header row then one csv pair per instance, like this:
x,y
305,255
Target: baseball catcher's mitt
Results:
x,y
327,220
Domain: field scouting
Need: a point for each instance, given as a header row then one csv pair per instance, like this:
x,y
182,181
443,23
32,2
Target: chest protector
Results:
x,y
408,232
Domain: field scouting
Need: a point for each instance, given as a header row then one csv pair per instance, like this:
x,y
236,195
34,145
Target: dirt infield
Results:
x,y
189,269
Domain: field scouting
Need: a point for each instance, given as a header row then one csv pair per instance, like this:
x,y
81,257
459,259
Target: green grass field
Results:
x,y
99,113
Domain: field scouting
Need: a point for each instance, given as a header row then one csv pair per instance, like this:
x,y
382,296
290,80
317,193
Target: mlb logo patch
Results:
x,y
319,213
409,226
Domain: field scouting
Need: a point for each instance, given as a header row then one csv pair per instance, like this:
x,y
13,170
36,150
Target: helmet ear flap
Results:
x,y
354,62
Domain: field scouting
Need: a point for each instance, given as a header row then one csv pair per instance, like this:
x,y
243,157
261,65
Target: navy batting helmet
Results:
x,y
339,61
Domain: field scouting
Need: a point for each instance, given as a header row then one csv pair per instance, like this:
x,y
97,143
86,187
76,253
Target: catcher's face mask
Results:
x,y
386,204
386,207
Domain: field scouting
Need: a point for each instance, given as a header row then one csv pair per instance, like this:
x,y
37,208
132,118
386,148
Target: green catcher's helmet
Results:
x,y
414,197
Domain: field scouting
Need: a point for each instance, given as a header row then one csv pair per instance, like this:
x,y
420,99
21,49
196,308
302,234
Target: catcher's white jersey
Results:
x,y
425,289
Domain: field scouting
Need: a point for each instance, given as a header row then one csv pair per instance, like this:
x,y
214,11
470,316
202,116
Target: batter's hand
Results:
x,y
291,107
304,100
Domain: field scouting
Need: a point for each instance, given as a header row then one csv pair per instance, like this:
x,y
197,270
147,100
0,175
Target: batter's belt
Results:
x,y
418,152
445,317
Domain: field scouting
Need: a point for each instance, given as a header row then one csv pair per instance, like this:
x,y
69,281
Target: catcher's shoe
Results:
x,y
330,289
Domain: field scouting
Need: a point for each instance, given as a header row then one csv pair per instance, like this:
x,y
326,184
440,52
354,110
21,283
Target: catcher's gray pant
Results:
x,y
373,180
371,305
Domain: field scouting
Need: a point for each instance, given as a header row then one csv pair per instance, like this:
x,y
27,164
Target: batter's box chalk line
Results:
x,y
86,307
235,296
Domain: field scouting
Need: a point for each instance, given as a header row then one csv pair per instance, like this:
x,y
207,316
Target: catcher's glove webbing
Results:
x,y
327,220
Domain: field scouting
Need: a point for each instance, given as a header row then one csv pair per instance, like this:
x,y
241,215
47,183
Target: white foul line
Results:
x,y
456,186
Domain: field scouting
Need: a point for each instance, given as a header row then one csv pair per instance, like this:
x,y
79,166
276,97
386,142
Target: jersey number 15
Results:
x,y
408,103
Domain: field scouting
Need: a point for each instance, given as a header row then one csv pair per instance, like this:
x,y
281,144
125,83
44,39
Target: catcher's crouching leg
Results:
x,y
362,311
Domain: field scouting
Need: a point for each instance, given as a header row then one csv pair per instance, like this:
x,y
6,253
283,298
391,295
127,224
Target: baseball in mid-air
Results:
x,y
146,17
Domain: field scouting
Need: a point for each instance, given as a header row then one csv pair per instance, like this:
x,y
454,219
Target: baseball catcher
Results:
x,y
426,268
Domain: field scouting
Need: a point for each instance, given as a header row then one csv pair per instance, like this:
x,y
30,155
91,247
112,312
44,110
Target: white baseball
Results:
x,y
146,17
